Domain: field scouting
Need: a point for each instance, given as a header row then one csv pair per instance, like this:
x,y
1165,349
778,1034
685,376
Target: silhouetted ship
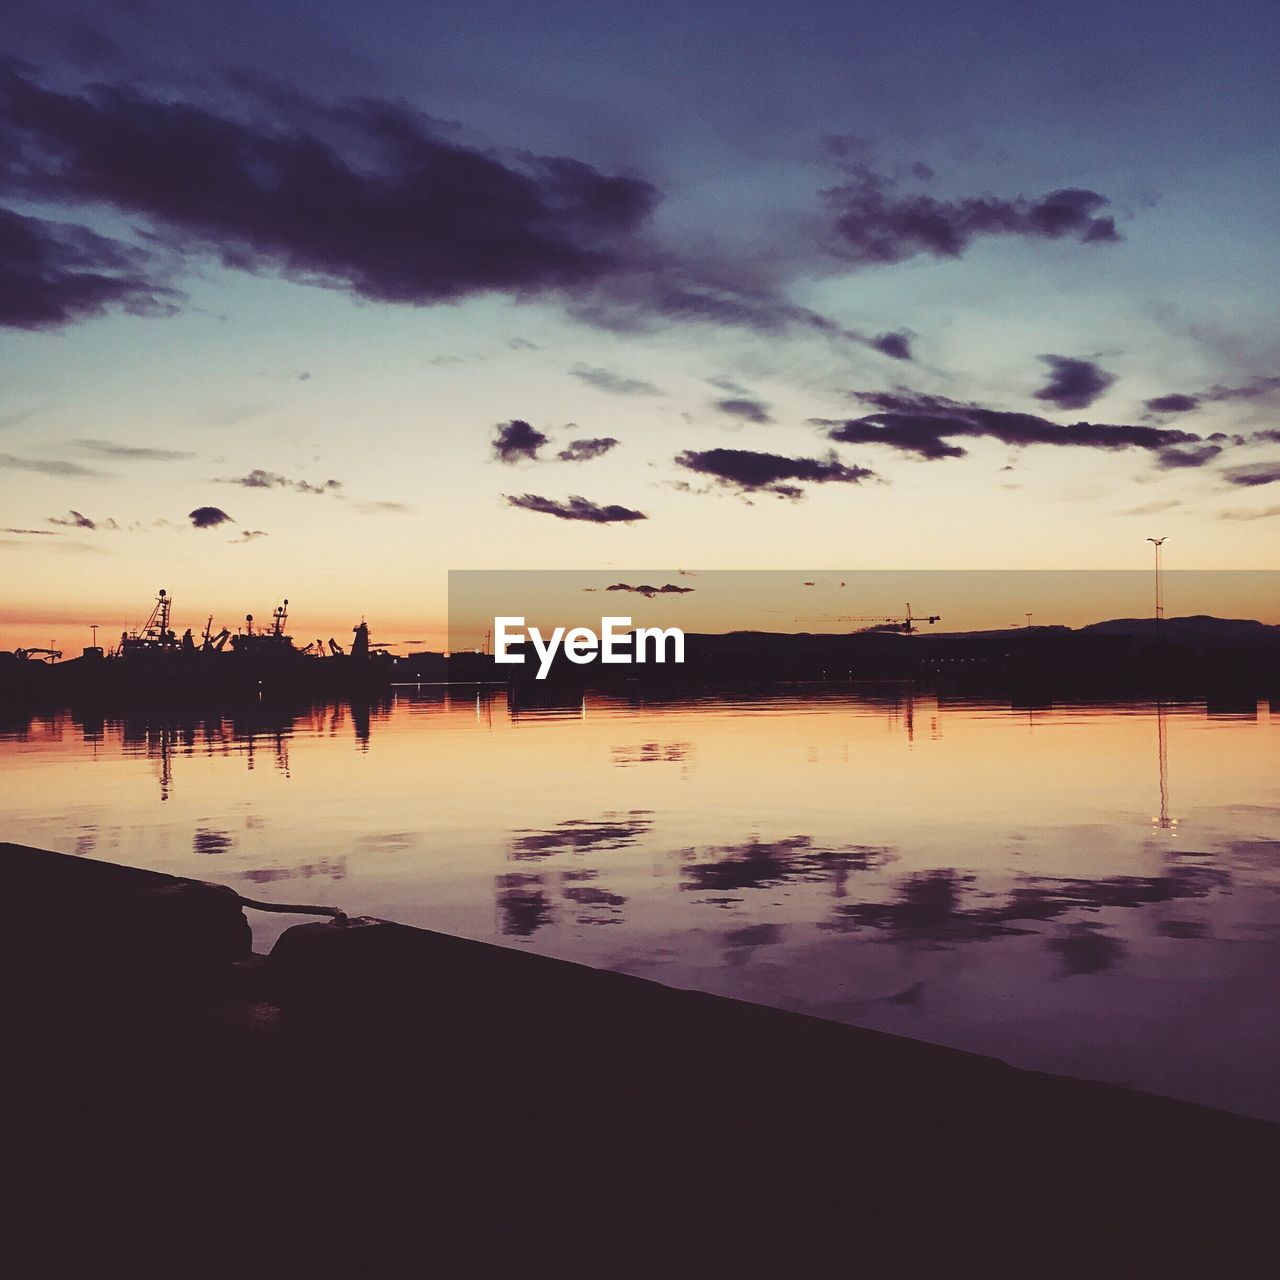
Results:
x,y
154,661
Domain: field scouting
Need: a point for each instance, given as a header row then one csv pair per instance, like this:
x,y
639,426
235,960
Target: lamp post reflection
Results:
x,y
1164,821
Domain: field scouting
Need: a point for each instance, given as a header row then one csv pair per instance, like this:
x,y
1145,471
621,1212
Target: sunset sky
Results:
x,y
321,301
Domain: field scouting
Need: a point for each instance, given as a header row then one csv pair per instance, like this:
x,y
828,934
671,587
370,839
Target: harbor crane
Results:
x,y
39,654
211,642
906,624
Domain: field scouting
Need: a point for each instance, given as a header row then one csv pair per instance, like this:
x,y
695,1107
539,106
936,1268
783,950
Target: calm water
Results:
x,y
1088,890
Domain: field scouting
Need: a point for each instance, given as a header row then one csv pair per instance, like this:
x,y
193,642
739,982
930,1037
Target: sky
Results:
x,y
320,302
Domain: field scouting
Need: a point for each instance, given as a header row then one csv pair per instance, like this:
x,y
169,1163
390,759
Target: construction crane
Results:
x,y
905,625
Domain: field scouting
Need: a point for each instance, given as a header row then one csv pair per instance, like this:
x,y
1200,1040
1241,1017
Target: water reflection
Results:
x,y
948,906
765,864
836,850
523,904
577,835
652,753
163,734
205,841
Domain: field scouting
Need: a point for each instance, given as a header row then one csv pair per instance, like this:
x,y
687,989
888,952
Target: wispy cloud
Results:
x,y
576,508
745,409
615,383
259,479
585,450
77,520
1179,402
131,452
375,507
1254,476
1259,513
45,466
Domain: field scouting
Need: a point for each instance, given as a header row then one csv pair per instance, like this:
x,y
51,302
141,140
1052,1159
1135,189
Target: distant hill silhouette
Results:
x,y
1200,630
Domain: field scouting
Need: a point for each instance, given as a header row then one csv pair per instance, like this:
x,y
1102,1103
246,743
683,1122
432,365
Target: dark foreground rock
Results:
x,y
377,1097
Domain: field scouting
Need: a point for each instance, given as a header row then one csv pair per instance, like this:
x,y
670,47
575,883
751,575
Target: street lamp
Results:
x,y
1157,543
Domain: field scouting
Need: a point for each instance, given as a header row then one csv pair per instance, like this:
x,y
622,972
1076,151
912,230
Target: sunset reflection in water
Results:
x,y
1091,890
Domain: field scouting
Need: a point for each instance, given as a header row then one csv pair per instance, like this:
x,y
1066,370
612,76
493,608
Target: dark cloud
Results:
x,y
249,535
208,517
45,466
644,589
575,508
751,472
130,452
896,345
35,533
1073,384
365,198
926,426
746,409
515,440
585,450
1173,403
906,433
258,479
874,223
615,383
1253,476
53,273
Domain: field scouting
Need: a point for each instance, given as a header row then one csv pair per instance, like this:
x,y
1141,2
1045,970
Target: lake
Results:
x,y
1093,890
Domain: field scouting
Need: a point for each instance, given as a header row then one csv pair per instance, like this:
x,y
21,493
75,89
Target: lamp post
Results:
x,y
1157,543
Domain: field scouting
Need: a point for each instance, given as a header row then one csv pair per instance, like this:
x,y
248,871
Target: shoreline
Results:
x,y
418,1087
